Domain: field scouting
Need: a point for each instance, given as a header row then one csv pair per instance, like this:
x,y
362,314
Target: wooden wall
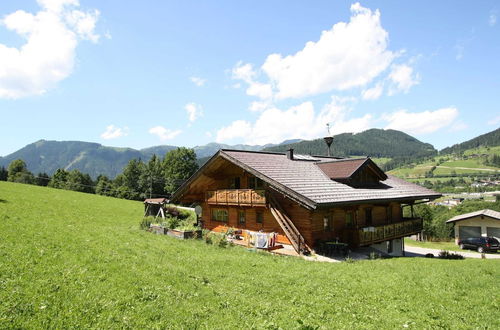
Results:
x,y
337,217
300,216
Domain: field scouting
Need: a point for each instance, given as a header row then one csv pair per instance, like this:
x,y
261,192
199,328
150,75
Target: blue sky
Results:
x,y
143,73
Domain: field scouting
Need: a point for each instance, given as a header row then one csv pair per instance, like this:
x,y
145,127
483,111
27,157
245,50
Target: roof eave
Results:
x,y
178,193
378,200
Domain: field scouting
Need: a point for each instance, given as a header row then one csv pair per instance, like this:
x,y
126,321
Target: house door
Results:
x,y
468,231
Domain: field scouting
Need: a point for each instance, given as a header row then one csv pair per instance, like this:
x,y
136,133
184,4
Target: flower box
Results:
x,y
157,229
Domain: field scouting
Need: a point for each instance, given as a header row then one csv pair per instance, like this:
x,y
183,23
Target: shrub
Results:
x,y
145,223
173,211
172,222
450,255
218,239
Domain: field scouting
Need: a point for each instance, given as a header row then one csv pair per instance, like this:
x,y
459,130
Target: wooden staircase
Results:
x,y
291,232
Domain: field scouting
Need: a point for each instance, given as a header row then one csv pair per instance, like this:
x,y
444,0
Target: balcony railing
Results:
x,y
241,197
369,235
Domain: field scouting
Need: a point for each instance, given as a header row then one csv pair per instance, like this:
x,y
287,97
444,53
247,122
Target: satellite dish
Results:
x,y
197,210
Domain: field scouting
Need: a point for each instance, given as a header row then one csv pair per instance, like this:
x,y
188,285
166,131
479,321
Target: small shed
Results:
x,y
154,207
476,224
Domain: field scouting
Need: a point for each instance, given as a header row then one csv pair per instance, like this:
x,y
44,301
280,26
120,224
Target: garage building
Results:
x,y
476,224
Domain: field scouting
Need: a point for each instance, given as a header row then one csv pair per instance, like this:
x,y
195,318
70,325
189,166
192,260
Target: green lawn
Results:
x,y
71,260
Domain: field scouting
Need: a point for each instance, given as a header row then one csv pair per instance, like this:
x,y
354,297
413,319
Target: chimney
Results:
x,y
289,154
328,140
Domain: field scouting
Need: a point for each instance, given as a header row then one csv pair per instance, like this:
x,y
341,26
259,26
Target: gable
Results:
x,y
354,172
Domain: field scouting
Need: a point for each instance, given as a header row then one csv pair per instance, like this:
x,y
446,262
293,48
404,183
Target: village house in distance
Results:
x,y
305,199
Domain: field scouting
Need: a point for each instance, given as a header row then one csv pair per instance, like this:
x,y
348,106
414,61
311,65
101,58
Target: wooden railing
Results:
x,y
369,235
289,228
243,197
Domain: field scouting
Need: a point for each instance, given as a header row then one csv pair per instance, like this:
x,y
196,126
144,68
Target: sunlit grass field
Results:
x,y
73,260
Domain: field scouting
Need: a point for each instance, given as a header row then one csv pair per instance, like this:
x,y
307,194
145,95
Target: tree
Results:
x,y
178,166
152,181
59,179
104,186
3,174
78,181
127,183
42,179
18,172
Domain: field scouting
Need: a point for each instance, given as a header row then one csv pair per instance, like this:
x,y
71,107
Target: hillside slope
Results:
x,y
373,143
73,260
491,139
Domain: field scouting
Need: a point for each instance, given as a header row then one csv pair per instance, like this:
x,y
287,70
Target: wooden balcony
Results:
x,y
375,234
239,197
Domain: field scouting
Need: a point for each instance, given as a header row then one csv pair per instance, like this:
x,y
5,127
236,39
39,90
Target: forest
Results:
x,y
158,177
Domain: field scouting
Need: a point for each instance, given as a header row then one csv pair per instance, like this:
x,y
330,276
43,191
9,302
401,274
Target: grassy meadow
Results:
x,y
73,260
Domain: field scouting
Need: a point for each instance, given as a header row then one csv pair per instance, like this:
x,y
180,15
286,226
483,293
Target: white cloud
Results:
x,y
349,55
421,122
236,129
373,93
274,125
194,111
262,91
113,132
403,78
198,81
257,106
244,72
164,133
492,19
48,55
494,121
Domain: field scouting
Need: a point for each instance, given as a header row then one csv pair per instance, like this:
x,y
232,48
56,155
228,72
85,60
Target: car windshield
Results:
x,y
492,240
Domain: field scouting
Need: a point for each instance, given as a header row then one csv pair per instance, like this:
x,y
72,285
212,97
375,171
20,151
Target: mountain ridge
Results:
x,y
95,159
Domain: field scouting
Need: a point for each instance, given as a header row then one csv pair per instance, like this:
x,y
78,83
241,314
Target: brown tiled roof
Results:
x,y
486,212
305,181
345,168
341,169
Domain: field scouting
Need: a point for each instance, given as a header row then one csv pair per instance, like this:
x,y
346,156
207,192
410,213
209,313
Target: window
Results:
x,y
241,217
259,217
234,183
220,215
255,183
368,216
327,223
349,219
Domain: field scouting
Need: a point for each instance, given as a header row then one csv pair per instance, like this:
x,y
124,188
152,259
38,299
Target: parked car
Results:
x,y
481,244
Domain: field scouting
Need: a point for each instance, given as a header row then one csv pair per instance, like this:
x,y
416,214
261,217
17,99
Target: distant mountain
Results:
x,y
156,150
91,158
211,148
95,159
373,143
491,139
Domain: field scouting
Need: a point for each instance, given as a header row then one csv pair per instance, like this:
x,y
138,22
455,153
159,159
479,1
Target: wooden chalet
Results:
x,y
305,199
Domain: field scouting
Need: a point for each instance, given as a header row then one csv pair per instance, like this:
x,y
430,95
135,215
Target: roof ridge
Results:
x,y
344,160
255,151
278,153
